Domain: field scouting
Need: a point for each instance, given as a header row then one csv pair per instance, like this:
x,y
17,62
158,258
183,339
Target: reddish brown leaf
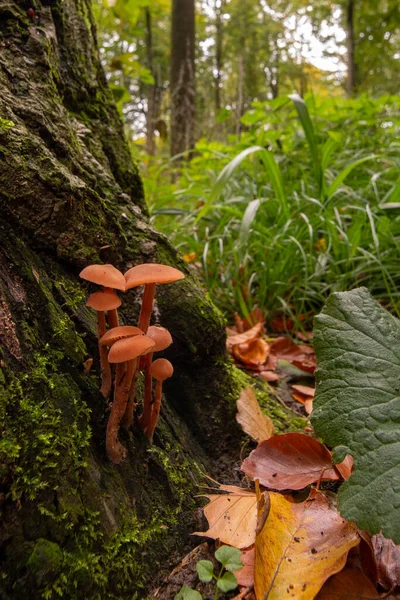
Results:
x,y
306,363
269,375
245,576
241,338
305,390
345,468
252,353
290,461
300,355
282,324
251,418
387,558
304,337
349,584
256,316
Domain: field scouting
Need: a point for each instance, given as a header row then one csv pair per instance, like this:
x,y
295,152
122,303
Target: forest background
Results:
x,y
273,202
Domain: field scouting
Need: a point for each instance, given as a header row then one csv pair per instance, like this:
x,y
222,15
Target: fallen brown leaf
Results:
x,y
252,353
232,517
300,355
387,558
241,338
289,461
251,418
345,468
349,584
245,575
305,390
300,547
269,375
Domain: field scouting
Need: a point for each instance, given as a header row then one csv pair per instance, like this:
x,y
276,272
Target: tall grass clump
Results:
x,y
304,203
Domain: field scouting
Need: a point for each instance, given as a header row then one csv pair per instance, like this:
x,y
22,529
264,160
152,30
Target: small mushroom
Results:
x,y
102,301
161,369
124,353
109,277
149,274
162,339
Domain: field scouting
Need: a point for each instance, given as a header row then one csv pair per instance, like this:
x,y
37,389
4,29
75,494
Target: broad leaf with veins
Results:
x,y
357,405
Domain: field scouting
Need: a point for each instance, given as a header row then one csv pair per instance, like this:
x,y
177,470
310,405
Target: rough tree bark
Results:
x,y
351,83
74,526
182,78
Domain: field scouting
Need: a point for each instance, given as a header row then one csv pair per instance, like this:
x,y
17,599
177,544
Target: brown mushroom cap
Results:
x,y
161,369
151,273
161,337
104,300
129,348
106,275
119,333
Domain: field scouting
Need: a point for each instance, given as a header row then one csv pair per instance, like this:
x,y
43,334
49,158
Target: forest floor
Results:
x,y
268,357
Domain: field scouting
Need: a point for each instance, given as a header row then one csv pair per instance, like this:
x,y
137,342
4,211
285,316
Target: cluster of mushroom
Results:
x,y
131,348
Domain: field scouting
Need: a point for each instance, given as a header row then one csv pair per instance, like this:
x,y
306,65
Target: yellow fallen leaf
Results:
x,y
232,517
253,421
299,547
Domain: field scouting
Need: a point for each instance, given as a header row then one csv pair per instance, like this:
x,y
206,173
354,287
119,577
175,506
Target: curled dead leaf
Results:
x,y
252,353
251,418
241,338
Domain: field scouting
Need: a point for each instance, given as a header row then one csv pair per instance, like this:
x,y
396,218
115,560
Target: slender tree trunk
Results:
x,y
182,77
350,41
151,89
73,525
219,7
239,104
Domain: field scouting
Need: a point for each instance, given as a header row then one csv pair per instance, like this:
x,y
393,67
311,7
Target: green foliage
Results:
x,y
186,593
225,579
267,228
357,405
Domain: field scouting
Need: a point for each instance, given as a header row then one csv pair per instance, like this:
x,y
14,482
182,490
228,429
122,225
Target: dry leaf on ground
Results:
x,y
349,584
252,354
268,375
289,461
253,421
300,355
241,338
300,547
232,517
387,559
345,468
245,576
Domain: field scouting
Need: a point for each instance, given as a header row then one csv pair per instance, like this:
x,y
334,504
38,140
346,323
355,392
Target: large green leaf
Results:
x,y
357,405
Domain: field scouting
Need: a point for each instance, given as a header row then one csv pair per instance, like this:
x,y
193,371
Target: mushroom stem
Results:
x,y
144,419
147,306
127,419
106,380
112,317
116,452
155,411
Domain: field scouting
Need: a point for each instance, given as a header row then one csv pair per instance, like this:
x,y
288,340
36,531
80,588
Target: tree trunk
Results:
x,y
182,79
73,525
350,41
151,89
219,8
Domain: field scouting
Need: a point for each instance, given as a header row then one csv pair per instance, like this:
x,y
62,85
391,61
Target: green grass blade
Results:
x,y
339,179
248,218
271,167
308,128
